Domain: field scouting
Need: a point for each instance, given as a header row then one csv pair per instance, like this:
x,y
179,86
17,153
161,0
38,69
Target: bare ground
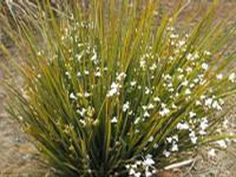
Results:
x,y
18,157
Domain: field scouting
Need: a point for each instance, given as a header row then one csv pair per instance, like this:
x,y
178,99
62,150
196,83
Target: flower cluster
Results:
x,y
161,100
142,168
116,86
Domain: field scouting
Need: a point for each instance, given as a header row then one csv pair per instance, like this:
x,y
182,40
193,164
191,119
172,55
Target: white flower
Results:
x,y
167,77
169,139
142,63
170,85
180,77
219,76
132,171
137,174
150,106
232,77
20,118
181,43
137,120
207,53
222,143
105,68
176,138
114,90
164,111
189,56
86,72
180,70
205,66
155,146
191,85
174,106
216,105
226,123
188,91
196,55
208,102
203,126
98,74
86,94
221,101
193,137
130,113
81,112
127,166
134,166
147,91
144,108
163,105
73,96
174,147
133,83
82,122
157,99
39,75
183,126
140,168
68,74
166,153
114,120
148,173
148,160
172,139
153,67
39,53
202,132
81,44
189,69
173,36
198,103
79,74
126,106
212,152
151,139
192,114
146,114
196,80
204,123
185,83
121,76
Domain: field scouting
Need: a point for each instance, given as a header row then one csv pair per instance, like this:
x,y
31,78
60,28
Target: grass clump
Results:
x,y
113,89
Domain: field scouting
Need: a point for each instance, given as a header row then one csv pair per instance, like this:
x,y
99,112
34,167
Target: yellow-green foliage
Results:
x,y
113,89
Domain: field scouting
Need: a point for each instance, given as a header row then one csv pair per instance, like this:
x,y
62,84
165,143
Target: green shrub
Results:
x,y
115,89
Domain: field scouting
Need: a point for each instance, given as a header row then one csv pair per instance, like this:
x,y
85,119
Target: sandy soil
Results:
x,y
19,158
